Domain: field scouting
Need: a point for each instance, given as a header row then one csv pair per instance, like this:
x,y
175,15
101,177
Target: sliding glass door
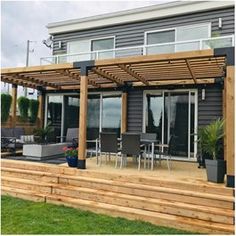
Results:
x,y
172,113
103,113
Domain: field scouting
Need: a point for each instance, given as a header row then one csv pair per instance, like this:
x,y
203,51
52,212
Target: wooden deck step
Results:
x,y
192,197
183,223
212,214
197,198
29,174
30,185
196,185
22,193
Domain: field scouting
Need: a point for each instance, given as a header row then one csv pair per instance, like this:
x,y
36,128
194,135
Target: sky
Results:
x,y
27,20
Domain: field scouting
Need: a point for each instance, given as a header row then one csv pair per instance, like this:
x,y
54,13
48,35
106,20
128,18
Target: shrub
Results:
x,y
33,109
23,104
6,100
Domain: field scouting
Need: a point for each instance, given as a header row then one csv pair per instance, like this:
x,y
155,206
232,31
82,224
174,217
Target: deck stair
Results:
x,y
194,206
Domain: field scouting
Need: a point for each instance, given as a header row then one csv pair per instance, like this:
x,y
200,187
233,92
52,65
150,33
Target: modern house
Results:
x,y
166,69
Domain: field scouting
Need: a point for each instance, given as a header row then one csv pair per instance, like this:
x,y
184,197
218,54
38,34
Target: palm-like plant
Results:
x,y
209,137
43,133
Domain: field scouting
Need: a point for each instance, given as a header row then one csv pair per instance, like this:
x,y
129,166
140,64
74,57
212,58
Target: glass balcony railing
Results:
x,y
190,45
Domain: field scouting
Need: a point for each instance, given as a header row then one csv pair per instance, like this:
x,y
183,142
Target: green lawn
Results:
x,y
26,217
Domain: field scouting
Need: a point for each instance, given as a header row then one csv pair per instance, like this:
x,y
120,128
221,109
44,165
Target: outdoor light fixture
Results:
x,y
220,23
203,94
59,45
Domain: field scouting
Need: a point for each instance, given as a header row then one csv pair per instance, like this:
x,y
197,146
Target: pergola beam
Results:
x,y
129,71
108,76
191,71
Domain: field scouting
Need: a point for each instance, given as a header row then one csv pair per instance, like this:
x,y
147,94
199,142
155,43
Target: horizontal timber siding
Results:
x,y
132,34
212,107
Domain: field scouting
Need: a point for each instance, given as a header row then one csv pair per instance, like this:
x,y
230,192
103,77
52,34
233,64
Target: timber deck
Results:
x,y
183,202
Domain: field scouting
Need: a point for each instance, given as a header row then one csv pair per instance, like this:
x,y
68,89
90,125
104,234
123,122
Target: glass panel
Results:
x,y
93,115
102,44
217,43
154,114
178,121
192,119
191,33
161,37
81,46
54,115
71,112
111,114
160,49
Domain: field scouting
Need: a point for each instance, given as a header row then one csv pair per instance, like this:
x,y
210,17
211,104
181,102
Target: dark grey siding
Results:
x,y
135,111
132,34
210,108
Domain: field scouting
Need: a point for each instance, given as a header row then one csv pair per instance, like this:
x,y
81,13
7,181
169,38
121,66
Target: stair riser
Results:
x,y
23,196
146,193
26,186
109,176
37,177
145,205
132,216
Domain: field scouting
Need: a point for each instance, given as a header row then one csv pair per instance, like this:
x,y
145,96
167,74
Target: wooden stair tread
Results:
x,y
167,217
137,186
152,188
226,212
114,176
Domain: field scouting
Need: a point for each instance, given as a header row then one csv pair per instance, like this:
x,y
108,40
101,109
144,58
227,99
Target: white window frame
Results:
x,y
176,29
90,43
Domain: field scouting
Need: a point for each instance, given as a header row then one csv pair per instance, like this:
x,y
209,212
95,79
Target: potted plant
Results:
x,y
210,138
23,104
43,133
71,155
6,100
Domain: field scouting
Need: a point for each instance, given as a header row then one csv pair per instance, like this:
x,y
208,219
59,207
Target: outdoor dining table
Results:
x,y
149,146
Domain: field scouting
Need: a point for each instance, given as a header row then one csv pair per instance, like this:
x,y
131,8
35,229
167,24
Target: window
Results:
x,y
86,46
103,44
167,36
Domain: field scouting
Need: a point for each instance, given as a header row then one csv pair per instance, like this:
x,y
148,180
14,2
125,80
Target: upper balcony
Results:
x,y
190,45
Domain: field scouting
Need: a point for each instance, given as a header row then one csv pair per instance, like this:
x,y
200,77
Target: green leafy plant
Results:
x,y
6,100
70,152
210,136
43,133
33,109
23,104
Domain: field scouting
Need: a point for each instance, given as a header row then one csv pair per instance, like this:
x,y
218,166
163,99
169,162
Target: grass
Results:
x,y
26,217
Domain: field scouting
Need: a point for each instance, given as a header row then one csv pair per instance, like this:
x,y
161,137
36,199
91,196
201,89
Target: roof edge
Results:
x,y
137,14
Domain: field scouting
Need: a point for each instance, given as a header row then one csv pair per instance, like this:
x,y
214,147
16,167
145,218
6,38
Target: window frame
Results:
x,y
90,43
208,24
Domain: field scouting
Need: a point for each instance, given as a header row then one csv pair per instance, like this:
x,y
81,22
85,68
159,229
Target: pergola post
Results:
x,y
83,121
13,104
41,108
229,141
124,100
84,67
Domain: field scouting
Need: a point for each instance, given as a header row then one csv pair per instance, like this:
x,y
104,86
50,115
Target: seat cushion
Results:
x,y
7,132
27,138
18,132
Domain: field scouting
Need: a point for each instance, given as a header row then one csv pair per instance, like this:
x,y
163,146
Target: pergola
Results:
x,y
192,67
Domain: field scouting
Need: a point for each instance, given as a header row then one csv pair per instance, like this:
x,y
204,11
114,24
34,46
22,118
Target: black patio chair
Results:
x,y
148,137
108,145
11,138
130,146
71,137
167,151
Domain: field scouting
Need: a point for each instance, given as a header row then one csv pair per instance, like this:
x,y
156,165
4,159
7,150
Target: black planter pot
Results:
x,y
72,161
216,170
